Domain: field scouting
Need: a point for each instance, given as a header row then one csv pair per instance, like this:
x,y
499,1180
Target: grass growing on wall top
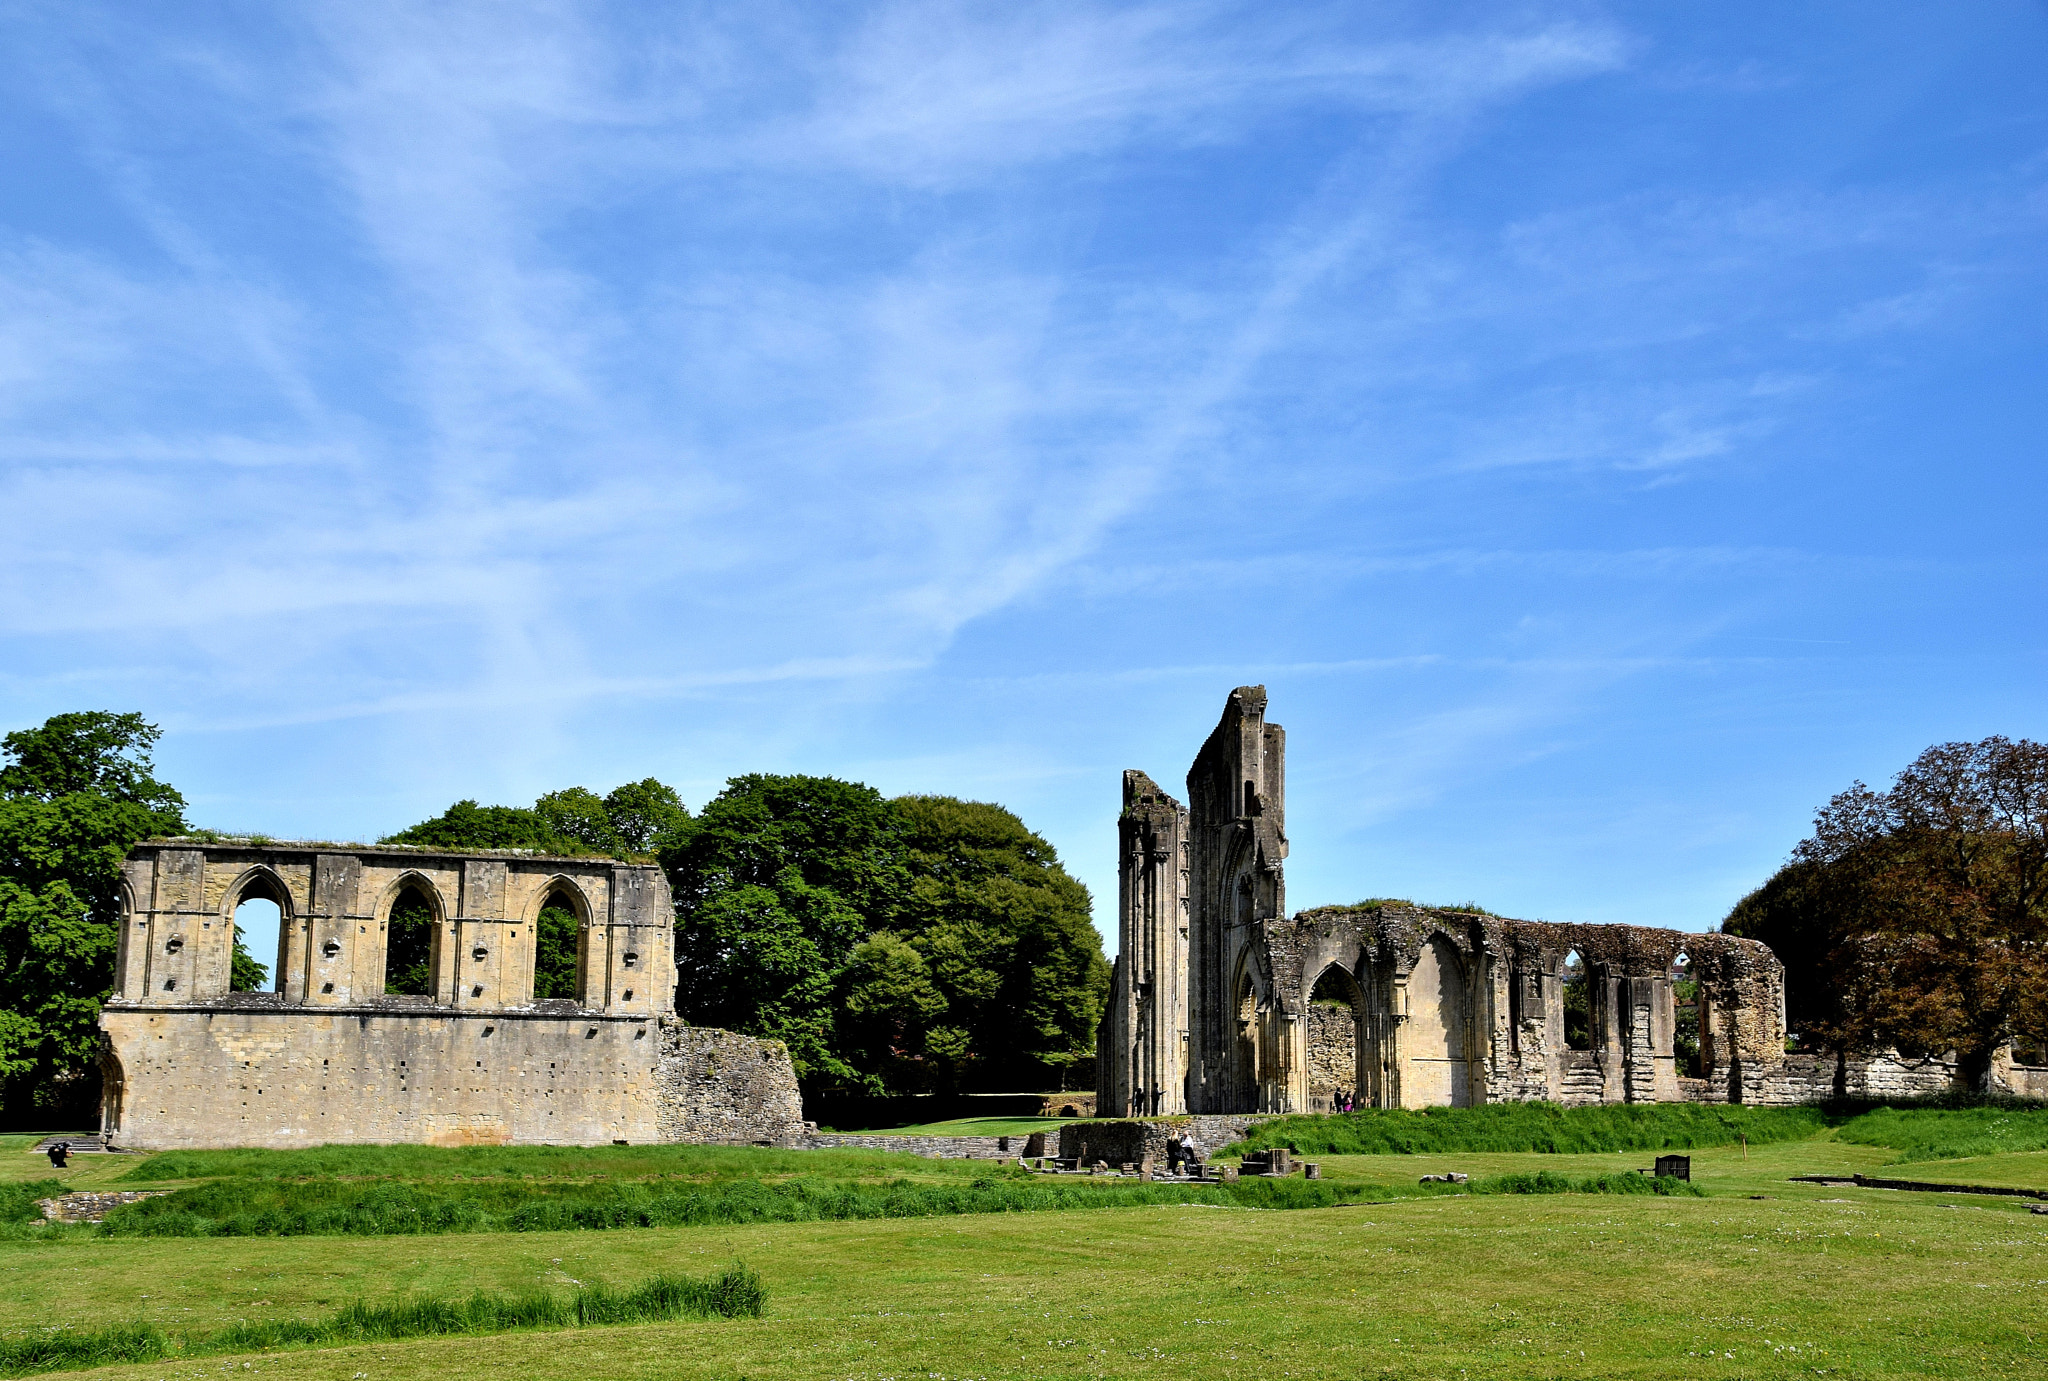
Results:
x,y
1543,1127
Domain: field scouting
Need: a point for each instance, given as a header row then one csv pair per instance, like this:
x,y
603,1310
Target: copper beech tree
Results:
x,y
1917,917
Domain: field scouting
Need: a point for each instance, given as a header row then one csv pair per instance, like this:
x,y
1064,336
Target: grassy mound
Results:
x,y
524,1162
1550,1182
734,1293
18,1201
1543,1127
1949,1133
294,1208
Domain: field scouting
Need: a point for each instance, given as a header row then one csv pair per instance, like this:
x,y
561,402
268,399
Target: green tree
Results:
x,y
467,825
246,973
554,952
75,795
636,818
646,815
1007,940
1918,916
578,813
409,946
776,881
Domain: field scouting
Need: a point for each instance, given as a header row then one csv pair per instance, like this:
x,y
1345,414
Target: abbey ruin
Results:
x,y
1223,1003
331,1057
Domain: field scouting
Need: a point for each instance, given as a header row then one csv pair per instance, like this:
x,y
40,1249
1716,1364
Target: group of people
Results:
x,y
1181,1152
1343,1101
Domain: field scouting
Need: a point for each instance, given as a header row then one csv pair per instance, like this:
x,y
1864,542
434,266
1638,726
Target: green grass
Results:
x,y
1543,1127
295,1208
1922,1134
708,1163
733,1293
1489,1288
18,1200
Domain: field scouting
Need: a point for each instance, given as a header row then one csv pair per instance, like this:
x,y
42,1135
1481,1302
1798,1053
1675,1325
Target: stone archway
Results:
x,y
1436,1043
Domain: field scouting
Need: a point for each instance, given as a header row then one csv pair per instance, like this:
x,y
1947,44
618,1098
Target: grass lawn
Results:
x,y
1872,1285
1799,1281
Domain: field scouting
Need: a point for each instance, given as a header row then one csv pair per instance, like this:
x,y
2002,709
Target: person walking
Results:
x,y
59,1150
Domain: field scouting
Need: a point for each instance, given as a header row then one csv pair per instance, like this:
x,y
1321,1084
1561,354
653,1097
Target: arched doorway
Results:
x,y
1436,1072
1334,1003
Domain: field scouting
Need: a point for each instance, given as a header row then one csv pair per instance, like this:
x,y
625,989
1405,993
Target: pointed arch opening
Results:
x,y
412,939
1685,1018
1439,1024
1334,1005
558,932
257,907
1578,1004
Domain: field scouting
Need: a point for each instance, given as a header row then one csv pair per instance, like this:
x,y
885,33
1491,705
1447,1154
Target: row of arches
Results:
x,y
411,920
1349,1020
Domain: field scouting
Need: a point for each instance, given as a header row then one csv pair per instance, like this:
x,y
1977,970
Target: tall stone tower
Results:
x,y
1142,1051
1242,1029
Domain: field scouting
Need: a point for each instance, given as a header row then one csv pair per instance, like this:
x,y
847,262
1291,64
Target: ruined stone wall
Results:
x,y
1131,1140
1332,1052
722,1087
250,1071
332,1058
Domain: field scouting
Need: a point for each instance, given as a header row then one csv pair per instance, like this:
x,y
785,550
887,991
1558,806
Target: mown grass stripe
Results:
x,y
733,1293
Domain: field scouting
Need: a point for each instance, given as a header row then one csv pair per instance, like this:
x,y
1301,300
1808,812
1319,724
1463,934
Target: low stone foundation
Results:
x,y
1119,1141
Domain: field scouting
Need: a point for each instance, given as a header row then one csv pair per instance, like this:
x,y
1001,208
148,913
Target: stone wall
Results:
x,y
1332,1053
1118,1141
249,1071
721,1087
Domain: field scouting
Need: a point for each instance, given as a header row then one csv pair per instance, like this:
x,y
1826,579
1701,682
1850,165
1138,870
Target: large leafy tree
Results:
x,y
1918,916
993,974
776,882
75,795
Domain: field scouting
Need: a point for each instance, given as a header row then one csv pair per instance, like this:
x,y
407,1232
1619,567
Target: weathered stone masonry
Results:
x,y
331,1058
1210,1008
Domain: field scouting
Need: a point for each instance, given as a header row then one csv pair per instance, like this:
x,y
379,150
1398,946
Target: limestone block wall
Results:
x,y
722,1087
1332,1052
252,1071
179,897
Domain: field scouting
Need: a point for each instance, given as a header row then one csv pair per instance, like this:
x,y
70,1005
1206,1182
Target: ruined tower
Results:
x,y
1145,1031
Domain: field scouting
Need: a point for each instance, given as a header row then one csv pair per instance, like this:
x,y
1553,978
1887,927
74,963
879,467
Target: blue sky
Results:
x,y
1607,430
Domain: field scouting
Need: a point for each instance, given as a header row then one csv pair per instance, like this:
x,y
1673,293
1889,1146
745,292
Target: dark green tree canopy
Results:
x,y
467,825
569,822
775,883
646,815
1009,977
75,795
93,752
